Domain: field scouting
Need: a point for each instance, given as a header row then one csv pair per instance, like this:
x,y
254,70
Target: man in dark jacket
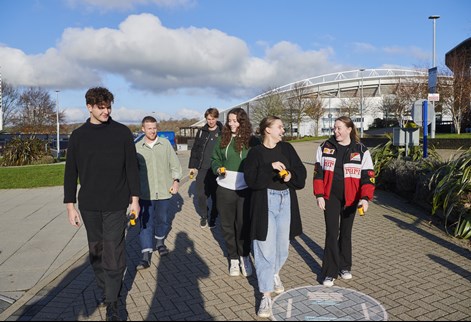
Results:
x,y
200,160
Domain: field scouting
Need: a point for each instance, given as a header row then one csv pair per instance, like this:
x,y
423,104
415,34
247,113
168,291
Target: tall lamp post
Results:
x,y
330,111
57,119
433,127
361,104
1,103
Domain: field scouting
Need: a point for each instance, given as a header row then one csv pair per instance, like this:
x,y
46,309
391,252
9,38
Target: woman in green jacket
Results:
x,y
233,195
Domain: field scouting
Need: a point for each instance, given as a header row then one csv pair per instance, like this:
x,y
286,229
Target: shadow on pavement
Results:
x,y
311,262
458,270
71,300
440,241
178,296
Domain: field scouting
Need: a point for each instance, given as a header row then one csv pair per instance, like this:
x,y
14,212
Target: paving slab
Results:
x,y
401,264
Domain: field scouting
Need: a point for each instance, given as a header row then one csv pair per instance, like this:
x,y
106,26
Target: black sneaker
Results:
x,y
145,261
102,301
212,223
142,265
204,222
112,313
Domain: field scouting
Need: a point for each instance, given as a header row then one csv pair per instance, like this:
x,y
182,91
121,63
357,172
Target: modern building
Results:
x,y
368,87
458,60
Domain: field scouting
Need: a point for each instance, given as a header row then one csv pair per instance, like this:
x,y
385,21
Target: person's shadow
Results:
x,y
133,250
216,231
74,297
306,255
177,295
192,194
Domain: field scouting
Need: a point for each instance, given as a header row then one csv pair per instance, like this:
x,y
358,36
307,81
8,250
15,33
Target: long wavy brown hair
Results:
x,y
244,134
349,123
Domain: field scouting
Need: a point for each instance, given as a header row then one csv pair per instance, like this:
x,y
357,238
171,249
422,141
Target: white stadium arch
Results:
x,y
370,84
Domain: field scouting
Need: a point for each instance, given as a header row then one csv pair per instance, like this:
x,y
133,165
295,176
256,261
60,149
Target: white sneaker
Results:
x,y
245,266
234,270
279,288
264,311
346,275
328,281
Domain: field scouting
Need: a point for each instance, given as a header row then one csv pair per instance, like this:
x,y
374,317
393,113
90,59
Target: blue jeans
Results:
x,y
270,255
154,221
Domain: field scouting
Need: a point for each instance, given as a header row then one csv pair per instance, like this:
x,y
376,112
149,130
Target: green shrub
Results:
x,y
407,174
47,159
23,151
452,194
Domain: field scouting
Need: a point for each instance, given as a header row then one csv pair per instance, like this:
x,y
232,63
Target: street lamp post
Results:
x,y
57,119
433,127
330,116
361,104
1,103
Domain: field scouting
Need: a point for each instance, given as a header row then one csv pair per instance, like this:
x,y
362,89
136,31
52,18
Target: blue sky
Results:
x,y
176,58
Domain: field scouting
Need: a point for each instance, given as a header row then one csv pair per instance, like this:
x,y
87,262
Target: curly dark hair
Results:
x,y
244,134
98,95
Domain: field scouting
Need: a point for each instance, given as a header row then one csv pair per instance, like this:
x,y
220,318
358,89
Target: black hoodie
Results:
x,y
201,140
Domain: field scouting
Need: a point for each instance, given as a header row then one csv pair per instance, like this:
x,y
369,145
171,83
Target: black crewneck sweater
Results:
x,y
103,158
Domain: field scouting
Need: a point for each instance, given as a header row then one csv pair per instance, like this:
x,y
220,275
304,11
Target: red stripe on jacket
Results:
x,y
359,176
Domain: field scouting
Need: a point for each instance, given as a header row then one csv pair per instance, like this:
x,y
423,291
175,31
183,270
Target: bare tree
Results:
x,y
271,103
349,106
297,105
36,112
406,93
459,63
315,110
390,108
10,97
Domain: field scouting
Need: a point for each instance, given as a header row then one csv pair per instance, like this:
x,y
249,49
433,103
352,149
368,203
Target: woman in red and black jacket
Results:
x,y
344,179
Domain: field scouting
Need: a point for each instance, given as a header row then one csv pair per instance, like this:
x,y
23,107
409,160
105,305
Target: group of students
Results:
x,y
252,183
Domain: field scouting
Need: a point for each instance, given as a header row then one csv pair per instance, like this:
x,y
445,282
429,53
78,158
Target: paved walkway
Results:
x,y
404,268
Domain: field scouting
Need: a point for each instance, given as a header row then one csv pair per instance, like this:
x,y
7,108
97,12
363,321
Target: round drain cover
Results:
x,y
320,303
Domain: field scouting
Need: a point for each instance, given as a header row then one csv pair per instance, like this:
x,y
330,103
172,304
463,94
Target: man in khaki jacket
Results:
x,y
160,173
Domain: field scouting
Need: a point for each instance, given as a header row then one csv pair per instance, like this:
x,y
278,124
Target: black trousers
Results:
x,y
206,187
233,206
106,244
338,239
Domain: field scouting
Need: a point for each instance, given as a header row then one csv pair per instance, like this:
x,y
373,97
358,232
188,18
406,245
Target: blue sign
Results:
x,y
169,135
432,80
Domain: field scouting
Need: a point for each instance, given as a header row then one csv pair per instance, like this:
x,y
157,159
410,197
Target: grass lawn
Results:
x,y
452,136
32,176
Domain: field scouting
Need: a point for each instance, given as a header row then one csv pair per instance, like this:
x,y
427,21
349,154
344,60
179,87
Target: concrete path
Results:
x,y
404,268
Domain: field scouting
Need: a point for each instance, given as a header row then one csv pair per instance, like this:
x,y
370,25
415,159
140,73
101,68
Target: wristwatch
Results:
x,y
177,180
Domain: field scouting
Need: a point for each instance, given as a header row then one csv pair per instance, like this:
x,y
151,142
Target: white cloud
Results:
x,y
128,4
411,51
76,115
361,47
155,59
189,114
51,69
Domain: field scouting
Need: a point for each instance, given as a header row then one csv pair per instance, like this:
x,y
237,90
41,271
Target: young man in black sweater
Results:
x,y
102,155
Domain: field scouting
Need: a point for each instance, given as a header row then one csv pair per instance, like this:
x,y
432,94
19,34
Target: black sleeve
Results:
x,y
257,175
71,172
195,153
132,168
297,169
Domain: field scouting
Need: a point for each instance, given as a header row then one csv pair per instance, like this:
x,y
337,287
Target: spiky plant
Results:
x,y
452,194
